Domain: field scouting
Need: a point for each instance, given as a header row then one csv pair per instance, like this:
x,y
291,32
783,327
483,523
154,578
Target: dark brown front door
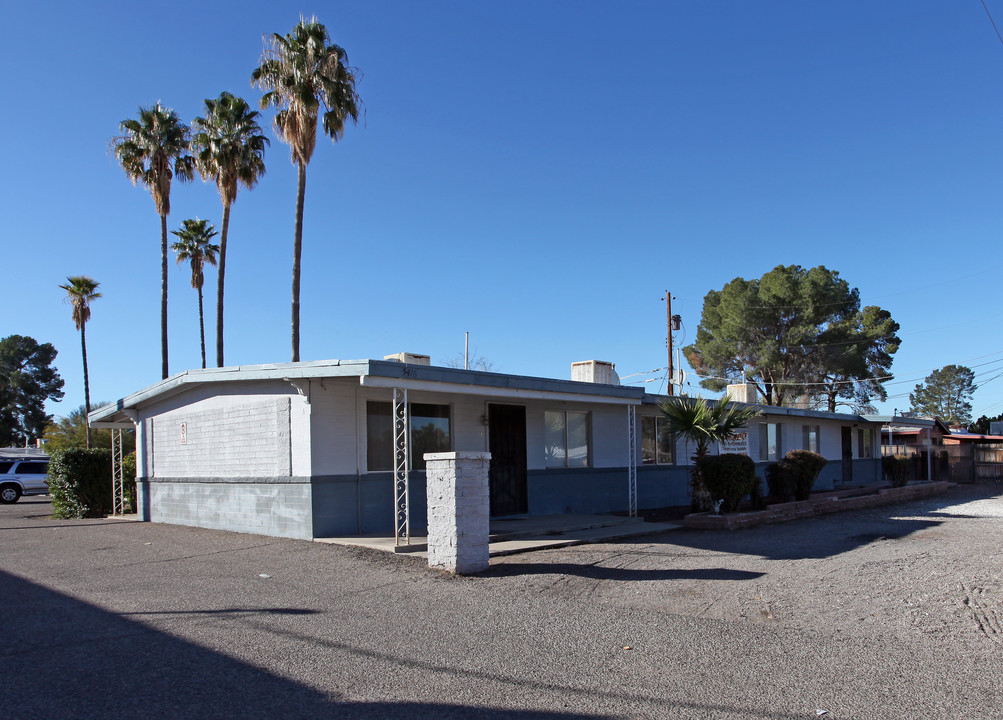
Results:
x,y
507,443
847,455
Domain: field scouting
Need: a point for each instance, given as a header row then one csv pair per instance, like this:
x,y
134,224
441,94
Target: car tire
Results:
x,y
9,493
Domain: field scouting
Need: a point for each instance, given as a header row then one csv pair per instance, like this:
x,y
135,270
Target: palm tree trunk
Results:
x,y
297,252
201,327
163,296
87,385
219,286
700,499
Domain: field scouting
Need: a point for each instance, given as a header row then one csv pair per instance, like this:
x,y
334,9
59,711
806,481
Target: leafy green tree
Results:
x,y
153,150
81,291
229,147
852,360
27,380
300,72
704,423
983,424
945,394
193,245
796,334
71,431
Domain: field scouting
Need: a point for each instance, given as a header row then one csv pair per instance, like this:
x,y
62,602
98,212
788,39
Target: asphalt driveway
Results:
x,y
893,612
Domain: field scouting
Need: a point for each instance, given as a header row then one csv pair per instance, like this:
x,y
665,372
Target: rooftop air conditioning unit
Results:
x,y
743,393
410,358
595,371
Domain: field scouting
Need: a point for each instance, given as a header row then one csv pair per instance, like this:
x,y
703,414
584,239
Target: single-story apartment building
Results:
x,y
335,448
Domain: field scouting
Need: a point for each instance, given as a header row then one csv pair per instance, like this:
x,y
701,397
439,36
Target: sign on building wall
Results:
x,y
184,433
737,443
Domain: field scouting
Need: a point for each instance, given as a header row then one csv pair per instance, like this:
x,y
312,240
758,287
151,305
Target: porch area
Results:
x,y
512,535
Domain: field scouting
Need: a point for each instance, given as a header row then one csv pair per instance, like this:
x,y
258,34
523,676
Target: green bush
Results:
x,y
807,465
729,478
781,479
756,496
896,468
80,483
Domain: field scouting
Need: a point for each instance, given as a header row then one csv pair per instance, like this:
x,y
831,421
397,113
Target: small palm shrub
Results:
x,y
808,465
896,469
729,478
80,483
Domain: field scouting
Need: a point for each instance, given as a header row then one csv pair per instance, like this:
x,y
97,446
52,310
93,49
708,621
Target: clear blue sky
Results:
x,y
536,173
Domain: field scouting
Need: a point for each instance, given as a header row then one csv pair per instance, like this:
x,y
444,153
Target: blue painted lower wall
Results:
x,y
604,490
345,505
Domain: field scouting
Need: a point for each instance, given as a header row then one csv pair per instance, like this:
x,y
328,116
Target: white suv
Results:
x,y
22,477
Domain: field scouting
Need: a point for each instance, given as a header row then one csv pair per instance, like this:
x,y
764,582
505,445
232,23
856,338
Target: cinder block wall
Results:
x,y
227,463
239,439
277,508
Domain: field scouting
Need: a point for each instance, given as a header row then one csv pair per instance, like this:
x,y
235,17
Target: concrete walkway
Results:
x,y
523,534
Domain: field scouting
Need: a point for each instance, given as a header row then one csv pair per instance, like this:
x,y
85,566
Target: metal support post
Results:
x,y
402,519
632,460
117,474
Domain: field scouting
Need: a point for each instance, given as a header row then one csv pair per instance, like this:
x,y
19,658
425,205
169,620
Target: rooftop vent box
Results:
x,y
743,393
595,371
410,358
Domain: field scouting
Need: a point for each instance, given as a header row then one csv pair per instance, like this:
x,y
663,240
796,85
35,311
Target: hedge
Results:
x,y
728,478
80,482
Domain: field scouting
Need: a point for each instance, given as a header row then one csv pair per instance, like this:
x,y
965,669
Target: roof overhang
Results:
x,y
371,373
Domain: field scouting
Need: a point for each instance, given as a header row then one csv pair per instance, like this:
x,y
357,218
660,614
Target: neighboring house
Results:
x,y
903,435
963,437
311,449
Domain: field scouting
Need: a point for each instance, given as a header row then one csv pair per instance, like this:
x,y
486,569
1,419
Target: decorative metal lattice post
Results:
x,y
402,519
632,460
117,474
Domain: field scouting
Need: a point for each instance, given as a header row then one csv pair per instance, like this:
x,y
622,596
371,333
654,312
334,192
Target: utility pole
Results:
x,y
668,327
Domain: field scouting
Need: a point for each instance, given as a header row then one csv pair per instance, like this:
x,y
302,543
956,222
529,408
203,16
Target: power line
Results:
x,y
986,7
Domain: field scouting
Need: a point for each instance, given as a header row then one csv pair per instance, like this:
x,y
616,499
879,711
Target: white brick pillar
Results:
x,y
458,509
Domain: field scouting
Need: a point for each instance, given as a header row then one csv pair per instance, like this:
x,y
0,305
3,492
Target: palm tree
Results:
x,y
80,292
147,150
193,245
300,72
704,423
229,147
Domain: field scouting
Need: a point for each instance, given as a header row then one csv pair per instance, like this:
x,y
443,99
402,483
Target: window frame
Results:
x,y
764,441
549,461
807,431
865,439
388,464
660,427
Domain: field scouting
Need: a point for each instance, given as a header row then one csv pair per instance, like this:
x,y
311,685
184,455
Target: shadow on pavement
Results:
x,y
62,658
597,572
829,535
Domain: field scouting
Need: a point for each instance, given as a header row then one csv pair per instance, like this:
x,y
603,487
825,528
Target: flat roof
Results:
x,y
372,373
390,374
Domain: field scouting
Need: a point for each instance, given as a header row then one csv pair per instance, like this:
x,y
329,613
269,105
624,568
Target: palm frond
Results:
x,y
81,290
301,72
153,150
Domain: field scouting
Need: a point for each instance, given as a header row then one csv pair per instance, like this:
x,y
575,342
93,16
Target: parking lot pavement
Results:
x,y
893,612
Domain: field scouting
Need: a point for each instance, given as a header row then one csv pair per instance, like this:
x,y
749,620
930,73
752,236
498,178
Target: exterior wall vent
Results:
x,y
743,393
411,358
595,371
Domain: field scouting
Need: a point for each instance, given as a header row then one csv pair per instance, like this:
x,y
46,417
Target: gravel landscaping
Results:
x,y
891,612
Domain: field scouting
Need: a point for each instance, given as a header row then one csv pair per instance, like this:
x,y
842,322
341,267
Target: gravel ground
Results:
x,y
894,612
